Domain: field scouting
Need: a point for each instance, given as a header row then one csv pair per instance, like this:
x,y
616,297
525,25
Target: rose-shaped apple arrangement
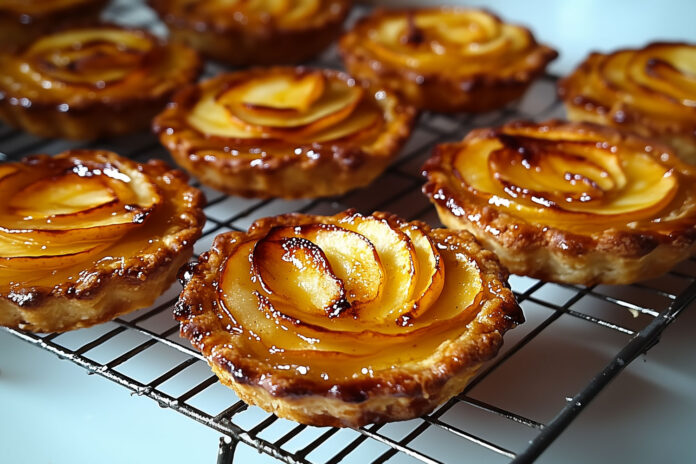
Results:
x,y
90,82
88,235
571,202
650,91
348,319
445,59
284,132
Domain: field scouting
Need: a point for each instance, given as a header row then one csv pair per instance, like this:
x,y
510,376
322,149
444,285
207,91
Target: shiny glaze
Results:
x,y
578,179
130,220
345,353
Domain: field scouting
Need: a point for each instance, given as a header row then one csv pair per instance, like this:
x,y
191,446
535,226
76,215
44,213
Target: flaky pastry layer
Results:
x,y
113,83
649,91
255,33
284,132
568,202
369,353
445,59
114,235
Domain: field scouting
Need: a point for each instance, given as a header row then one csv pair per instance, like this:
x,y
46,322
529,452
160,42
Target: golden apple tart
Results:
x,y
649,91
568,202
257,32
90,82
22,21
87,235
346,320
445,59
284,132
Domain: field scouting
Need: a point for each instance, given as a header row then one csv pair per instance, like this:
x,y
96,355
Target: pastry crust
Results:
x,y
568,202
649,91
86,236
313,133
114,83
372,353
22,21
255,33
445,59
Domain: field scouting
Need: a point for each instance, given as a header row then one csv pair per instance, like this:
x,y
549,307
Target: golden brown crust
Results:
x,y
449,80
288,162
243,37
130,267
394,369
22,21
98,90
649,91
559,241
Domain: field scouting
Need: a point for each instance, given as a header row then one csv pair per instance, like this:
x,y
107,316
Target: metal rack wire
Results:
x,y
142,351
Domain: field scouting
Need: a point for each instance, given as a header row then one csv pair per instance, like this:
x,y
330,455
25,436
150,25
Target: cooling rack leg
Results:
x,y
226,450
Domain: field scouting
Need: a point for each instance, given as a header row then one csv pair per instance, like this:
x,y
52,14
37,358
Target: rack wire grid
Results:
x,y
143,353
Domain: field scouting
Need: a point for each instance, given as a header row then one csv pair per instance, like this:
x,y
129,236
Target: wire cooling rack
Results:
x,y
503,415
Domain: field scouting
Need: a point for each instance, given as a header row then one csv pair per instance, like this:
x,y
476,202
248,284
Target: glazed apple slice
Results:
x,y
431,277
288,102
90,55
67,194
81,204
352,257
297,270
397,256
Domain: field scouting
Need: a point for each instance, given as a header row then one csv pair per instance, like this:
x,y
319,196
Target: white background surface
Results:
x,y
52,412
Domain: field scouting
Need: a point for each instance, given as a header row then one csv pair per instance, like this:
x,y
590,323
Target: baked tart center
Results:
x,y
96,57
293,105
352,292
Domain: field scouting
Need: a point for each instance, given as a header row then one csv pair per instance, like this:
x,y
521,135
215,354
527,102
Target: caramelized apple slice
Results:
x,y
431,277
208,117
352,257
84,202
90,55
297,270
66,194
365,119
336,101
277,94
398,258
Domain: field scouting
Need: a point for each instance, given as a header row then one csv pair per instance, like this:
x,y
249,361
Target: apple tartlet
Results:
x,y
90,82
649,91
346,320
568,202
86,236
284,132
261,32
445,59
22,21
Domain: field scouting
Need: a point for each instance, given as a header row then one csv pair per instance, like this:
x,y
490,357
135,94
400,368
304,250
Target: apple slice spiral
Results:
x,y
445,59
87,82
87,235
651,91
69,209
289,132
339,307
569,188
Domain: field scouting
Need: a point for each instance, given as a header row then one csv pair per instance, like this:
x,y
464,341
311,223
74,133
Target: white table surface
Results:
x,y
52,412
